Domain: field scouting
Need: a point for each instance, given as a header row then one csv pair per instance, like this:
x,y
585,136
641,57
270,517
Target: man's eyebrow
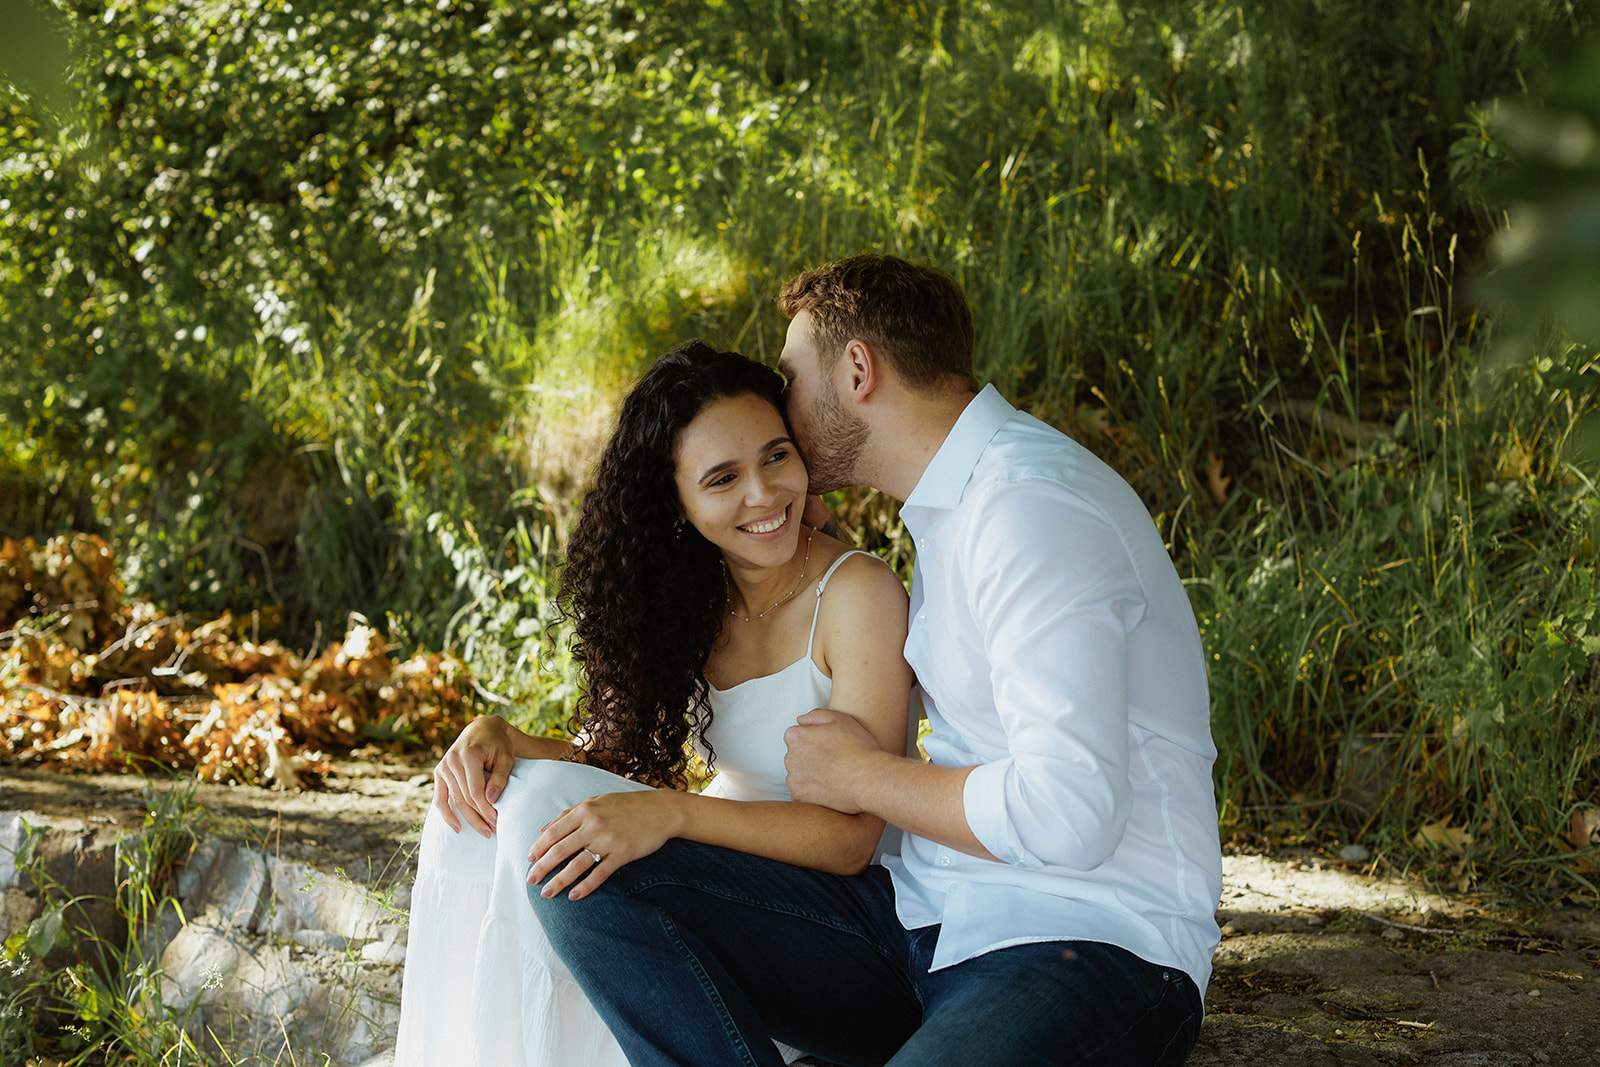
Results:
x,y
718,468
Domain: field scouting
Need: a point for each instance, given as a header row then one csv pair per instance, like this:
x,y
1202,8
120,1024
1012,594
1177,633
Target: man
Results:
x,y
1054,899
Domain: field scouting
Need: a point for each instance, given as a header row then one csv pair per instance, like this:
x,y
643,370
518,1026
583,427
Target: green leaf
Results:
x,y
46,932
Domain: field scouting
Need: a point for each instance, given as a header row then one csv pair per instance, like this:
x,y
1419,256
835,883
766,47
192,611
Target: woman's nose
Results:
x,y
761,489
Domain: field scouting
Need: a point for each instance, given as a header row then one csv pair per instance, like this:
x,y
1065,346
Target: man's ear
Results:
x,y
864,369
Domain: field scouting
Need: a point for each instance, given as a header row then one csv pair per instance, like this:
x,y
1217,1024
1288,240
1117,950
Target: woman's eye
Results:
x,y
779,456
722,480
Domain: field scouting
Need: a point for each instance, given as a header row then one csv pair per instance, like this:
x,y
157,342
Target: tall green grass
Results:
x,y
1224,244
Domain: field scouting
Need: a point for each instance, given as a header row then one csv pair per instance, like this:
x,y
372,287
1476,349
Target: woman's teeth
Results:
x,y
767,527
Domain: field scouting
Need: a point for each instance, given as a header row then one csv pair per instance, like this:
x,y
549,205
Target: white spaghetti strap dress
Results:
x,y
482,985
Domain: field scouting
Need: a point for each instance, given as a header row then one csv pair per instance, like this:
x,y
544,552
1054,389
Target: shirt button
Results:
x,y
944,861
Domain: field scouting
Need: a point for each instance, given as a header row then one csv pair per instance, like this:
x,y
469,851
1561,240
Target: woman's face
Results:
x,y
740,480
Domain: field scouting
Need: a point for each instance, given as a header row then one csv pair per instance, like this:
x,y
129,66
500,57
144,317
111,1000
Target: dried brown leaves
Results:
x,y
90,680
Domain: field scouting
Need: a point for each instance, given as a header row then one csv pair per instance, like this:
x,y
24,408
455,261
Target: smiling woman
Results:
x,y
743,488
694,520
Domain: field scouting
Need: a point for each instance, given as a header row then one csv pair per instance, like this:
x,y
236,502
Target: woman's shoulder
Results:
x,y
855,576
862,612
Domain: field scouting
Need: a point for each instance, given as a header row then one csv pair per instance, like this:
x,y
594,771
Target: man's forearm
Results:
x,y
920,798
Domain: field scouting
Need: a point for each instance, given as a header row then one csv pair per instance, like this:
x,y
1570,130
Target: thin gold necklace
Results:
x,y
787,596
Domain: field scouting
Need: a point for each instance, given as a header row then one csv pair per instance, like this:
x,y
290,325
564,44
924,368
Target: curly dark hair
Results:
x,y
645,593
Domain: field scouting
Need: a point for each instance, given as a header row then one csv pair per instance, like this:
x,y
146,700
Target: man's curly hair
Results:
x,y
646,593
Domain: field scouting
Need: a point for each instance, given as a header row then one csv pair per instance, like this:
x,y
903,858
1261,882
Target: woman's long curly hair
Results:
x,y
646,593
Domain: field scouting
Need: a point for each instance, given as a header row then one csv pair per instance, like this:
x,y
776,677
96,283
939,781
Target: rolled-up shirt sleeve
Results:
x,y
1055,595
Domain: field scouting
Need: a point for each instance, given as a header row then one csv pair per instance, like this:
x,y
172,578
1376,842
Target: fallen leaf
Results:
x,y
1442,835
1583,829
1216,481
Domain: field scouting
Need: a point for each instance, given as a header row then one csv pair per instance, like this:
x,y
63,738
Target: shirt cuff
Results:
x,y
983,800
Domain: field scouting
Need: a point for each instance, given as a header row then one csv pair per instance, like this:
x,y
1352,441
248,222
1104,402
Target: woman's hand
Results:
x,y
474,773
617,827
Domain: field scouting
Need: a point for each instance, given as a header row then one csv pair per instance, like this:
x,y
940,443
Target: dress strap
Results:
x,y
823,584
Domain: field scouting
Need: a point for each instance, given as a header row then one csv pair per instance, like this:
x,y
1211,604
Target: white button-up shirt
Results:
x,y
1058,655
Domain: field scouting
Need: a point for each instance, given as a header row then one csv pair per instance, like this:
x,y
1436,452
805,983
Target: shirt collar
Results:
x,y
947,473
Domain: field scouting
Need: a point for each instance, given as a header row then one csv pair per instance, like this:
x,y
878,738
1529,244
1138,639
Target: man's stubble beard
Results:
x,y
837,439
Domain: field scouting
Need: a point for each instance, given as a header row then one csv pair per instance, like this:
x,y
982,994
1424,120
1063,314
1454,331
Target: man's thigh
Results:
x,y
820,959
1062,1002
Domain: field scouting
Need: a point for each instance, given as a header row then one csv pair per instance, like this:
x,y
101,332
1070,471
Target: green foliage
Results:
x,y
1547,260
34,56
105,1005
319,310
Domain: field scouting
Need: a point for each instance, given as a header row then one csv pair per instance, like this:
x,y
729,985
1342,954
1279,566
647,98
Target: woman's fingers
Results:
x,y
569,850
544,855
582,872
441,800
476,807
473,774
453,793
613,828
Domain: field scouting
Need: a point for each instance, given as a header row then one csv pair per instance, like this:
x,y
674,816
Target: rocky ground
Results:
x,y
295,936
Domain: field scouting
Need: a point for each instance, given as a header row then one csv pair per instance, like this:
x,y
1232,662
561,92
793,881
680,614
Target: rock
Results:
x,y
1354,854
321,940
13,834
384,952
76,862
304,898
253,998
225,884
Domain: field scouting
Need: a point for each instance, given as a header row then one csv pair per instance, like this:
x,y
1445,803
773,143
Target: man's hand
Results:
x,y
826,751
473,774
818,517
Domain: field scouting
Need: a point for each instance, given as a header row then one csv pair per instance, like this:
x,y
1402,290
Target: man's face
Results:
x,y
830,438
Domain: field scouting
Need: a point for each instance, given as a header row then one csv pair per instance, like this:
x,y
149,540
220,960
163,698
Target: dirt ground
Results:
x,y
1319,963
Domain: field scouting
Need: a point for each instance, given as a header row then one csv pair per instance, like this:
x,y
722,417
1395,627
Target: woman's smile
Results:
x,y
767,526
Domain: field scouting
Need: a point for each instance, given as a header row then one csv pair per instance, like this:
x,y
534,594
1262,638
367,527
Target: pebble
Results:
x,y
1354,854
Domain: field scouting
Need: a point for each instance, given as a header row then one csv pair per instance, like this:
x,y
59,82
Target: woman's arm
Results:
x,y
487,747
860,633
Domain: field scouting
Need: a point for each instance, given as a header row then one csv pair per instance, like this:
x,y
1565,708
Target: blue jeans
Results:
x,y
697,956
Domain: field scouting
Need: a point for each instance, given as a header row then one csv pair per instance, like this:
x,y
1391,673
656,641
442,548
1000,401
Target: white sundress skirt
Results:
x,y
512,1001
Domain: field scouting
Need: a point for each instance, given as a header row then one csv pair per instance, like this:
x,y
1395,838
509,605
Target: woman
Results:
x,y
697,595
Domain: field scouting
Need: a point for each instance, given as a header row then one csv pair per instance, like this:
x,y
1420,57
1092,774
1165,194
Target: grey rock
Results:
x,y
383,952
224,883
321,940
1354,854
